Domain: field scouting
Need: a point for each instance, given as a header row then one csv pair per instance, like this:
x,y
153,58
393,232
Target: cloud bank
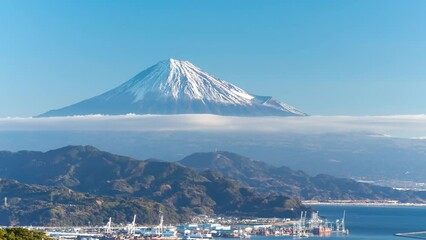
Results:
x,y
412,126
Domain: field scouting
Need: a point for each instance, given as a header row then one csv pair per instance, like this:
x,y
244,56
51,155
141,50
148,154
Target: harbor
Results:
x,y
205,227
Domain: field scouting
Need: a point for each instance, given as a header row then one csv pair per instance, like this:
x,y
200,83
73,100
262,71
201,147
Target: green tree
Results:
x,y
2,234
22,234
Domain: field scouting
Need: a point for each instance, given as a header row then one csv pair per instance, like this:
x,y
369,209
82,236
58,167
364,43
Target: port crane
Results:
x,y
108,227
132,226
340,224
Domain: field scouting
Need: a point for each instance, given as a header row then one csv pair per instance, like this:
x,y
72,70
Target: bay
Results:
x,y
373,222
376,222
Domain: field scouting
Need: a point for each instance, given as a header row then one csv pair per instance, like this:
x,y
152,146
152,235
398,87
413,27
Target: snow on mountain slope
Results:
x,y
181,79
178,87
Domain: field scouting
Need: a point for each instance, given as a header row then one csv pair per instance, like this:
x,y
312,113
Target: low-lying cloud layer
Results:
x,y
413,126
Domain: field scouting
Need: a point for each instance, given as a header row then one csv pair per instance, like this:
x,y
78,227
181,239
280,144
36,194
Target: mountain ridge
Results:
x,y
113,178
268,179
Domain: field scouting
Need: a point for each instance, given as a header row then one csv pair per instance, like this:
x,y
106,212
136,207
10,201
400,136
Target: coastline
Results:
x,y
363,203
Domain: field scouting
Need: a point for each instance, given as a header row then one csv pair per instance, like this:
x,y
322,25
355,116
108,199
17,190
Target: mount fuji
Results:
x,y
177,87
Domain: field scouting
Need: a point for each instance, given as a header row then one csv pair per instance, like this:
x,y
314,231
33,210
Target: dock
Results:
x,y
414,235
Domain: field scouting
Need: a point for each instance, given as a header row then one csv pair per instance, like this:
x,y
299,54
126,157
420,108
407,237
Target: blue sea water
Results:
x,y
375,223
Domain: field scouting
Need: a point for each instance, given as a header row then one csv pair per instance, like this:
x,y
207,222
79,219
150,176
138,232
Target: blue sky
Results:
x,y
324,57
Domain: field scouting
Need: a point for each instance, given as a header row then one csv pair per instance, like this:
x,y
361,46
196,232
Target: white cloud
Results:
x,y
413,126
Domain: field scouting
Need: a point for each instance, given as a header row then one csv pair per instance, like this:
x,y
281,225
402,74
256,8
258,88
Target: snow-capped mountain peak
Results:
x,y
183,80
178,87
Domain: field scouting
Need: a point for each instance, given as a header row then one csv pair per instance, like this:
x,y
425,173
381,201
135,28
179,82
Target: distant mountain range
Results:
x,y
71,184
177,87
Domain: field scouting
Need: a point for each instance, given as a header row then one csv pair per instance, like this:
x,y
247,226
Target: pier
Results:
x,y
414,235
